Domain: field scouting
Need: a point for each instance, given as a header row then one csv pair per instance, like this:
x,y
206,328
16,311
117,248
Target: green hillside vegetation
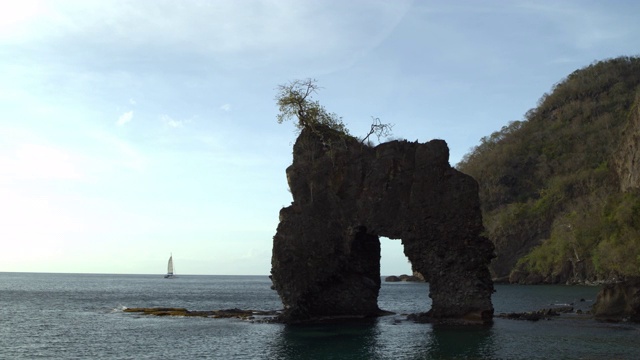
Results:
x,y
550,195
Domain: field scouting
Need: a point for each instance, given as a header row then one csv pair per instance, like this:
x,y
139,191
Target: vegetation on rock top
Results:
x,y
295,101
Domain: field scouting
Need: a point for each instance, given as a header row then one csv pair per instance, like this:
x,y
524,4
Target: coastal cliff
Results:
x,y
326,251
627,161
560,189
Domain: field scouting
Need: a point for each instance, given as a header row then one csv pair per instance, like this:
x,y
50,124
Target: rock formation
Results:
x,y
417,277
627,161
326,252
618,301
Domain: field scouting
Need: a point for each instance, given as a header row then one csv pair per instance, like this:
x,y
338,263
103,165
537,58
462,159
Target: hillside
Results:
x,y
559,189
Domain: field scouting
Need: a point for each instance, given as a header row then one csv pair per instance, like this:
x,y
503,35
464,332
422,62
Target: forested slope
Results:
x,y
559,189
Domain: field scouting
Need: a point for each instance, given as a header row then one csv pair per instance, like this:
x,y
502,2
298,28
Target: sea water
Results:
x,y
74,316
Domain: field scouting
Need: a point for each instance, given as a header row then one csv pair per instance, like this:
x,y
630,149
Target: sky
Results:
x,y
132,130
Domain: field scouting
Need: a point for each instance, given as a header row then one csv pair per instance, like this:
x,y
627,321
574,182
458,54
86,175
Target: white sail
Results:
x,y
170,267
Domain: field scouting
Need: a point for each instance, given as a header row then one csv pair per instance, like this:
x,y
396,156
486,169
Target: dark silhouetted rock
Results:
x,y
326,251
410,278
416,277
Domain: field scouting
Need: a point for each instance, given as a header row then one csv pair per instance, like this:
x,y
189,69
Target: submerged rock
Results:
x,y
326,251
225,313
537,315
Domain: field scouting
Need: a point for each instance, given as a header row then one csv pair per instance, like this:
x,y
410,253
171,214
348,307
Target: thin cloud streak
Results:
x,y
236,33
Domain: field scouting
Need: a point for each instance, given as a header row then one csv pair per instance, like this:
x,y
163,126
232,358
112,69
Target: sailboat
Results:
x,y
170,268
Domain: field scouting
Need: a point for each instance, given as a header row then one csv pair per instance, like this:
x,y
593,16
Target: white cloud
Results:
x,y
226,107
171,122
125,118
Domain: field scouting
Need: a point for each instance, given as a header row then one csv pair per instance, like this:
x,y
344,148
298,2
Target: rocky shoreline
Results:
x,y
619,302
517,279
542,314
272,316
253,315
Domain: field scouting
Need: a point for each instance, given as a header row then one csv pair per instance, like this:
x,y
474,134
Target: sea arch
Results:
x,y
326,250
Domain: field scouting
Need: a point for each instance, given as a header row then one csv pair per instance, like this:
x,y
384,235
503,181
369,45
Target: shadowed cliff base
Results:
x,y
326,251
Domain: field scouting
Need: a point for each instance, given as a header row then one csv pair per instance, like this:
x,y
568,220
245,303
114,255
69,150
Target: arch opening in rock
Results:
x,y
326,251
393,261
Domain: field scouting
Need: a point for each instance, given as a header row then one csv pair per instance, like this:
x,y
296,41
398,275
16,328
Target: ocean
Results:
x,y
80,316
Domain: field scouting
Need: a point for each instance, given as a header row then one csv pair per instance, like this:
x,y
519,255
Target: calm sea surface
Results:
x,y
71,316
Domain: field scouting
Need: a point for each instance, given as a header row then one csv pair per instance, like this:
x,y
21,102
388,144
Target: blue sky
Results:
x,y
133,129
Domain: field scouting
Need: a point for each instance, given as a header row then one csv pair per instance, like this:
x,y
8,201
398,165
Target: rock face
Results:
x,y
326,252
627,161
618,301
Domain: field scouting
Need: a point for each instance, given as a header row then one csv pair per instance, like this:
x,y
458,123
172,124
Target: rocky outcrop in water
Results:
x,y
619,301
326,251
252,315
542,314
405,278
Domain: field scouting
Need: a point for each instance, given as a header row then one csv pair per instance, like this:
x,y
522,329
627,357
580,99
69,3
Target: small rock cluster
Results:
x,y
537,315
